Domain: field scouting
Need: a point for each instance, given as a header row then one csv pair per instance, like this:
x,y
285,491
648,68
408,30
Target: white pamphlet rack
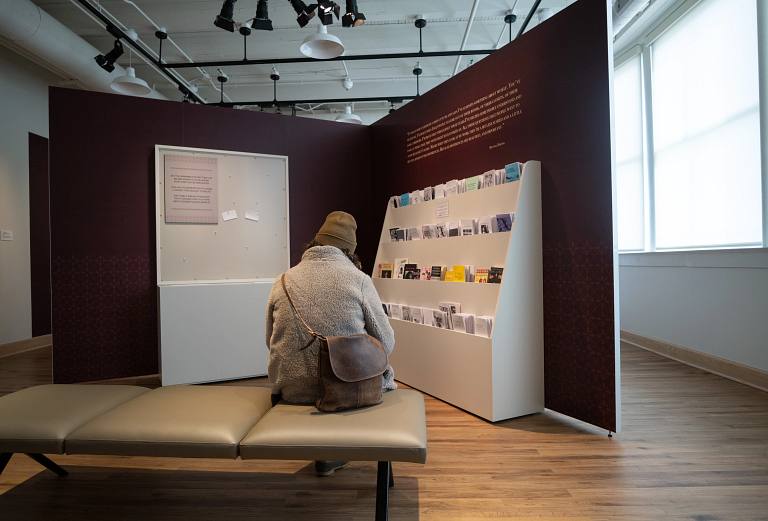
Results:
x,y
495,378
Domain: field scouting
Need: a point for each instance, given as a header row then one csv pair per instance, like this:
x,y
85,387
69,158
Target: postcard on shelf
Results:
x,y
512,172
439,191
393,234
489,179
449,276
399,234
394,201
429,231
504,222
416,315
451,188
467,227
441,230
500,177
414,234
458,323
426,273
386,270
428,194
450,308
399,268
406,313
486,224
437,273
459,273
411,272
429,316
464,322
495,275
462,186
472,183
396,311
415,197
483,326
481,275
405,199
440,319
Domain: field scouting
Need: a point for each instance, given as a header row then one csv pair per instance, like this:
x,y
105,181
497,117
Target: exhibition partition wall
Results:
x,y
39,236
545,97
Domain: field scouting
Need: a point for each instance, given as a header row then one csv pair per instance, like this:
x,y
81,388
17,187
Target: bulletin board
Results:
x,y
215,250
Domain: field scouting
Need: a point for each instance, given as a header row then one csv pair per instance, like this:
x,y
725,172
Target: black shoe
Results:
x,y
326,468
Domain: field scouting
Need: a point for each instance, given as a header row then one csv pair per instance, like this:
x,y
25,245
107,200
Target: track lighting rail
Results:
x,y
287,103
358,57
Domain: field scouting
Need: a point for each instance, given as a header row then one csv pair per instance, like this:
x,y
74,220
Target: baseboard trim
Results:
x,y
737,372
29,344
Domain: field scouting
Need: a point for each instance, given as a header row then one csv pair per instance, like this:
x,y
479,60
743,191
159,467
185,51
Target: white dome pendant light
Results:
x,y
130,84
348,117
321,45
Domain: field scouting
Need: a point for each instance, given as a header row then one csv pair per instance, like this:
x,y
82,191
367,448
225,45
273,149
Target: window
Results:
x,y
705,173
630,181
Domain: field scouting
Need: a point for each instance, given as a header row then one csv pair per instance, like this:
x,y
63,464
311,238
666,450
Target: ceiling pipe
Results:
x,y
528,18
31,29
505,29
466,35
288,103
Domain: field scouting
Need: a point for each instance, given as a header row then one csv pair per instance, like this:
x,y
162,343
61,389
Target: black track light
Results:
x,y
326,10
108,62
305,12
262,21
391,107
224,20
353,17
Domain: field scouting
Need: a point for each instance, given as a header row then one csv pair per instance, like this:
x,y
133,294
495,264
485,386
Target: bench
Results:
x,y
209,422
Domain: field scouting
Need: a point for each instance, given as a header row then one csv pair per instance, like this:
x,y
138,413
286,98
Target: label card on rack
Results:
x,y
228,216
251,215
442,210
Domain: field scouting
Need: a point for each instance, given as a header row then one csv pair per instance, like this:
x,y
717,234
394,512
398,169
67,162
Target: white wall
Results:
x,y
714,302
23,109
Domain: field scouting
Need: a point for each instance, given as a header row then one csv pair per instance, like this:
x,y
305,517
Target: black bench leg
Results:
x,y
5,457
391,476
383,482
45,462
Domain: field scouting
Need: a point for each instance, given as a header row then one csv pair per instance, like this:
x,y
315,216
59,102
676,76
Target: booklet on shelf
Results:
x,y
404,199
481,275
429,231
450,308
441,230
467,226
483,326
439,191
399,268
429,193
464,323
414,234
417,315
462,186
489,179
440,319
495,275
469,273
500,177
411,272
453,229
512,172
393,234
429,316
407,316
400,234
385,270
394,201
396,311
437,273
459,273
426,273
472,183
449,276
504,222
451,188
486,224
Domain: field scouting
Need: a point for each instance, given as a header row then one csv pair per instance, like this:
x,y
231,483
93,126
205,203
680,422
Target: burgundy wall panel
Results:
x,y
102,211
39,236
563,68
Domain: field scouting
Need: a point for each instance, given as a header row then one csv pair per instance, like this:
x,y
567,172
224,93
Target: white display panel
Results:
x,y
214,279
239,249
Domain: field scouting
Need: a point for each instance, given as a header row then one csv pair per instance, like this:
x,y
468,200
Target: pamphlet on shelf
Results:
x,y
451,188
439,191
504,222
486,224
394,201
495,275
426,273
417,316
458,323
481,275
393,234
462,186
437,273
396,311
464,322
429,231
428,194
500,177
411,272
467,227
429,316
405,199
484,326
400,268
453,229
385,270
472,183
414,234
459,273
440,319
470,273
386,308
449,276
441,230
450,308
407,313
512,172
489,179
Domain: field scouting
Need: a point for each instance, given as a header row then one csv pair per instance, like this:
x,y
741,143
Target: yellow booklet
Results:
x,y
449,276
458,273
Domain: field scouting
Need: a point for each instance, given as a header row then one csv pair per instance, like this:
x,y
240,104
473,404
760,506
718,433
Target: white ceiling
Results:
x,y
389,28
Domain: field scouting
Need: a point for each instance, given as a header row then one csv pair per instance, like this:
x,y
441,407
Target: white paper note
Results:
x,y
251,215
228,216
7,235
442,210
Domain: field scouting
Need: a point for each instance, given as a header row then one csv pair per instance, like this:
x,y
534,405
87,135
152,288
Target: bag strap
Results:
x,y
293,307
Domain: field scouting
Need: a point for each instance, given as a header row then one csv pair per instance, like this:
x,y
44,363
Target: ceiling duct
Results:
x,y
29,29
626,10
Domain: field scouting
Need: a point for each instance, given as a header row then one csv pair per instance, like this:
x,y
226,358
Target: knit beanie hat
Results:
x,y
338,230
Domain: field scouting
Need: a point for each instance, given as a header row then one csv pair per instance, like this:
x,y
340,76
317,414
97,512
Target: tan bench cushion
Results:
x,y
38,419
177,421
394,430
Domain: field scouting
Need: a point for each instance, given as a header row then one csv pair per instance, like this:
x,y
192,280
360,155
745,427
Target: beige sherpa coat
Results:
x,y
335,299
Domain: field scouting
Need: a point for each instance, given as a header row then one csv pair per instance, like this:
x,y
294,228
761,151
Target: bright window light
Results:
x,y
706,128
628,103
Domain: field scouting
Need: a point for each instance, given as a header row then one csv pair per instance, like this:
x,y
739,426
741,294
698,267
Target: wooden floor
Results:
x,y
694,446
